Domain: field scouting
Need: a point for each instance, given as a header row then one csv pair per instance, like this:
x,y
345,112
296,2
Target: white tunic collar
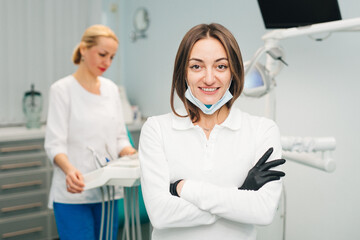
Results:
x,y
232,122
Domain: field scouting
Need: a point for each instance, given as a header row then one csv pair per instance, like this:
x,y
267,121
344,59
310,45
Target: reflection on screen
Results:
x,y
253,80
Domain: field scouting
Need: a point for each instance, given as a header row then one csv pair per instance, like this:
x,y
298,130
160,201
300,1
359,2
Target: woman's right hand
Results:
x,y
74,181
74,178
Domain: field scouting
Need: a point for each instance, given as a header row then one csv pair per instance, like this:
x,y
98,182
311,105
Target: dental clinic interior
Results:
x,y
302,71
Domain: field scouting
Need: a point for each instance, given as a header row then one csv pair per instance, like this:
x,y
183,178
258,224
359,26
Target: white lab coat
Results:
x,y
210,206
78,119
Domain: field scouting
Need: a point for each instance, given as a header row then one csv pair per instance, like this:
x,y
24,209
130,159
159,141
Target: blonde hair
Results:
x,y
90,37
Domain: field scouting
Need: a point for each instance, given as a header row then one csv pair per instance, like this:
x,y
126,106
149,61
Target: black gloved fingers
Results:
x,y
270,179
272,173
271,164
264,157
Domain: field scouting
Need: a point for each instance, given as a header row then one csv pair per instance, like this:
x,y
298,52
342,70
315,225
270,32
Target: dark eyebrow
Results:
x,y
106,52
195,59
199,60
101,49
220,59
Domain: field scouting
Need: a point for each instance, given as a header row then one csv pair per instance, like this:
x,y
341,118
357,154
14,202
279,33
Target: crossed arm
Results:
x,y
201,203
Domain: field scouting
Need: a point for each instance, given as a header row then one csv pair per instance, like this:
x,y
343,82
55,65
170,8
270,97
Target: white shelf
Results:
x,y
21,133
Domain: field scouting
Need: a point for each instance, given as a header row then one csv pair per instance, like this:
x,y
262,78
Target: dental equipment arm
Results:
x,y
291,149
303,151
272,38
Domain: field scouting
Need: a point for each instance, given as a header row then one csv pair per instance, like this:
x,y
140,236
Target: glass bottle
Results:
x,y
32,107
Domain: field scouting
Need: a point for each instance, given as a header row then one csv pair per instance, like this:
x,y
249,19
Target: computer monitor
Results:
x,y
296,13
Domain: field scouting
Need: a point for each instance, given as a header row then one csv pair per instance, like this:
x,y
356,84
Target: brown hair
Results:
x,y
203,31
90,37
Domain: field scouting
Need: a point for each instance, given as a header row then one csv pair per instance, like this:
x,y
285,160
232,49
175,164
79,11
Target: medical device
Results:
x,y
260,82
287,14
124,172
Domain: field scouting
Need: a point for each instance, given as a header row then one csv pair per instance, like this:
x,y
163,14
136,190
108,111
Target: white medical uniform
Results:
x,y
210,206
78,119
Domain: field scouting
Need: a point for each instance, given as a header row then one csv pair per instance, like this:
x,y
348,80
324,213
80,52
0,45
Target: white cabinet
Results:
x,y
25,178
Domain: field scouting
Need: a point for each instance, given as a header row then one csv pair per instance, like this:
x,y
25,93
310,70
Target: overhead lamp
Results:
x,y
257,81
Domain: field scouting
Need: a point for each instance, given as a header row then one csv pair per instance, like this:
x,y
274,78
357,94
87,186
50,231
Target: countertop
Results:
x,y
23,133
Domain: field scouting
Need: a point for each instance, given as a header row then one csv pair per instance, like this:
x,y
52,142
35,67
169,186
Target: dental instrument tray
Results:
x,y
124,171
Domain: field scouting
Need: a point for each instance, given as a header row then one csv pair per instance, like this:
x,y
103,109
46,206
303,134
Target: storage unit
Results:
x,y
25,178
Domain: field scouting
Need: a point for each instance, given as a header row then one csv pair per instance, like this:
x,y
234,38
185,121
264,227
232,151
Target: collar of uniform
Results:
x,y
181,123
233,121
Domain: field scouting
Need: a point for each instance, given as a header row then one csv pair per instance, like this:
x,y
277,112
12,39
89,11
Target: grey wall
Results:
x,y
317,95
36,45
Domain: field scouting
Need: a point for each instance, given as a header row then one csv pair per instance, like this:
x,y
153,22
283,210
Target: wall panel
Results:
x,y
36,44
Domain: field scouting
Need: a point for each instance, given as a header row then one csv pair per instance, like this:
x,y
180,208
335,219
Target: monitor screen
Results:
x,y
296,13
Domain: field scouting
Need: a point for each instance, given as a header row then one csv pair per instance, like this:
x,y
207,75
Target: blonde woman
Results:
x,y
84,113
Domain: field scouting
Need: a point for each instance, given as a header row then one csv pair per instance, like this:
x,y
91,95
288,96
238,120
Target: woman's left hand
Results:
x,y
127,151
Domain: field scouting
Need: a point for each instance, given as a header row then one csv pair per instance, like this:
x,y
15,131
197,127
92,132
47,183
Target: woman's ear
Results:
x,y
82,48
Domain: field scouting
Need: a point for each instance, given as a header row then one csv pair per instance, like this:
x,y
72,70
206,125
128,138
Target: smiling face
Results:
x,y
208,72
98,58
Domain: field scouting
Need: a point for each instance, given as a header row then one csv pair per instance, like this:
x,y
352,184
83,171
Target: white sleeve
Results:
x,y
122,135
245,206
57,122
164,210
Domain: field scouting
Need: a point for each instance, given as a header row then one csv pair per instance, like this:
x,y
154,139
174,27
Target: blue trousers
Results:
x,y
83,221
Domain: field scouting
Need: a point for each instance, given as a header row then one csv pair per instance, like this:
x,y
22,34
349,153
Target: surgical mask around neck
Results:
x,y
205,108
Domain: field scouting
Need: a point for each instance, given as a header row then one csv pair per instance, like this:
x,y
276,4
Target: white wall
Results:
x,y
317,95
36,45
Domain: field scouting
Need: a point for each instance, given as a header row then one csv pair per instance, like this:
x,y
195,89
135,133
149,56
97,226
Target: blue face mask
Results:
x,y
205,108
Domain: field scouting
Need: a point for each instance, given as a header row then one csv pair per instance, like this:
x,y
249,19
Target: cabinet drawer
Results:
x,y
22,182
23,204
24,146
24,228
20,162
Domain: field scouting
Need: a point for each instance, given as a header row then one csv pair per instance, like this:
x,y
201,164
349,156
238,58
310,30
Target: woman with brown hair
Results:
x,y
201,173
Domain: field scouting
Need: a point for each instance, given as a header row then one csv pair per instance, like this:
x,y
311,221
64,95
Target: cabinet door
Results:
x,y
24,146
22,182
23,204
30,227
21,162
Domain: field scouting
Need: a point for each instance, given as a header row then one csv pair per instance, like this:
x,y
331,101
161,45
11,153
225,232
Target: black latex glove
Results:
x,y
260,174
173,188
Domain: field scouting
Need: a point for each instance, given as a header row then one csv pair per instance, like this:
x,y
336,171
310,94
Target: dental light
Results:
x,y
260,78
260,81
257,81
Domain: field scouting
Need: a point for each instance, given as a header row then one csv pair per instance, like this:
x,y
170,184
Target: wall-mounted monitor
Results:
x,y
296,13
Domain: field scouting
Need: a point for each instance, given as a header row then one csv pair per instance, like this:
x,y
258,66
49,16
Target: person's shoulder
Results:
x,y
107,82
109,87
159,119
63,84
158,122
